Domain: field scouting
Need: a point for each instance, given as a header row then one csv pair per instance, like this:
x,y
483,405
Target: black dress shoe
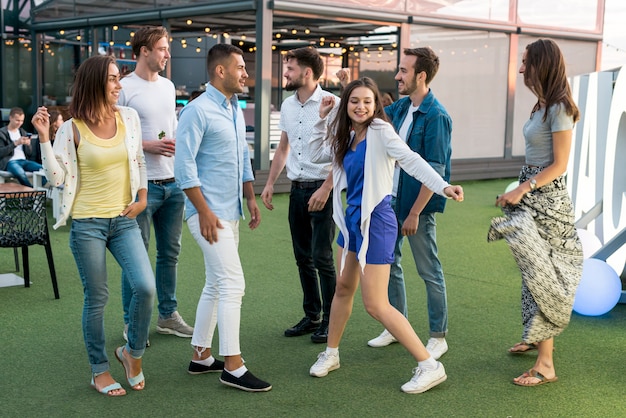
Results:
x,y
321,334
305,326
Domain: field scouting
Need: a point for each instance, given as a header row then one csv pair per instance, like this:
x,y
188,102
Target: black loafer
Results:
x,y
197,368
247,382
321,334
305,326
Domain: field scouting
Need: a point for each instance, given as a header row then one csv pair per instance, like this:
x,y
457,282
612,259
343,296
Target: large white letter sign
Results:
x,y
597,166
614,195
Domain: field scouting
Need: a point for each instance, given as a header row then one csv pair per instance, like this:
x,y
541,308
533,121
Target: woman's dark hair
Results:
x,y
89,98
341,126
54,115
545,76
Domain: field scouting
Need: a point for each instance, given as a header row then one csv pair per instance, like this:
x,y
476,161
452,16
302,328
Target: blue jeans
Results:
x,y
425,254
165,209
89,239
312,236
19,168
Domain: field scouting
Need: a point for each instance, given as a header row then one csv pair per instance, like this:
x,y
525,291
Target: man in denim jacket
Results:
x,y
427,127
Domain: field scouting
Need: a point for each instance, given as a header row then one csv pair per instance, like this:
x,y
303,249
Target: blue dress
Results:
x,y
383,226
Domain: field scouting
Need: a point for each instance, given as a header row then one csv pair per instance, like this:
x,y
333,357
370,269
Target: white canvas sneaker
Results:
x,y
383,340
423,380
437,347
325,363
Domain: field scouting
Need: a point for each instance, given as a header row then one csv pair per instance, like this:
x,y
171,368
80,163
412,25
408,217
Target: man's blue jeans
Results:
x,y
19,168
312,235
425,253
89,240
165,210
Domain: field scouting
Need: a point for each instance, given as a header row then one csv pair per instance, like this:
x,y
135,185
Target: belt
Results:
x,y
162,182
315,184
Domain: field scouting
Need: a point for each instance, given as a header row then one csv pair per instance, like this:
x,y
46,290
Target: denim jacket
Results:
x,y
430,136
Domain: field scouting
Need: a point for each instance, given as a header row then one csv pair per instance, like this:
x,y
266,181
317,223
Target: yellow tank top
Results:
x,y
104,189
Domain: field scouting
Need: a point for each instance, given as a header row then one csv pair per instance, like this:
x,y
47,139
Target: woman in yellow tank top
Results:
x,y
97,156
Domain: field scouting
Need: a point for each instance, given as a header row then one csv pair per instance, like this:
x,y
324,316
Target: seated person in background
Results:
x,y
17,156
195,94
56,120
387,98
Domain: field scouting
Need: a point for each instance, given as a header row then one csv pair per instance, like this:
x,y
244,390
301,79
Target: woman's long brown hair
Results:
x,y
341,126
545,75
89,101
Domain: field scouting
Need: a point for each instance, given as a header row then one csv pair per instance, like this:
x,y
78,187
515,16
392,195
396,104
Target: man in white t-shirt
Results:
x,y
310,205
154,98
16,153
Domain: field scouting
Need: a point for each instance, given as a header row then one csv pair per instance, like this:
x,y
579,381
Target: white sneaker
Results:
x,y
383,340
125,335
423,380
325,363
437,347
174,325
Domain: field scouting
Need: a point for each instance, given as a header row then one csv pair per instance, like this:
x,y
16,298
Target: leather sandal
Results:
x,y
132,381
107,389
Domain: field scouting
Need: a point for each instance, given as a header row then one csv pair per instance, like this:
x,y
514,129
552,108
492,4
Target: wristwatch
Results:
x,y
533,185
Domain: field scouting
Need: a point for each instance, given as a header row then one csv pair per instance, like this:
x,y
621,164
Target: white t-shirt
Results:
x,y
402,133
155,101
18,152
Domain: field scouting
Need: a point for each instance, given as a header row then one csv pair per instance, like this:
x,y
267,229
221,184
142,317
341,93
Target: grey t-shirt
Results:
x,y
538,134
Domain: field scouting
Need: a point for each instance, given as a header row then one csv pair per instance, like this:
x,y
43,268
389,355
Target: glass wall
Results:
x,y
17,70
494,10
471,84
572,14
59,64
381,66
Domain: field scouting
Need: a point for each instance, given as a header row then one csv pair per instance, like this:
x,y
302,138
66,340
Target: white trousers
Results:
x,y
220,301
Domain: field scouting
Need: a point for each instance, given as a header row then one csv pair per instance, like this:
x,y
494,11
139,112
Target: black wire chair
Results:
x,y
24,222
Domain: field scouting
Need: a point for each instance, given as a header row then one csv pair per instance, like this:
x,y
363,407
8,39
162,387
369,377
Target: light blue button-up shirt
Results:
x,y
212,153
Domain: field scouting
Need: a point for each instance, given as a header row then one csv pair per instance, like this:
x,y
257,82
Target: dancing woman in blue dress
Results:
x,y
364,149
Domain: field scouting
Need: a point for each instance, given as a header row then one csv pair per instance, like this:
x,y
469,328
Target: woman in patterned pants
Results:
x,y
538,221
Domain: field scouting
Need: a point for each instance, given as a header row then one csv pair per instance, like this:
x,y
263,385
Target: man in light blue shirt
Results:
x,y
213,168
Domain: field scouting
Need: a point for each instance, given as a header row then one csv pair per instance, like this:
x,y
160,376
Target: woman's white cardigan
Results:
x,y
384,148
60,163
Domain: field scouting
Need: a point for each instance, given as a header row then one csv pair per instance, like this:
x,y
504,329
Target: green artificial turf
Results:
x,y
44,369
